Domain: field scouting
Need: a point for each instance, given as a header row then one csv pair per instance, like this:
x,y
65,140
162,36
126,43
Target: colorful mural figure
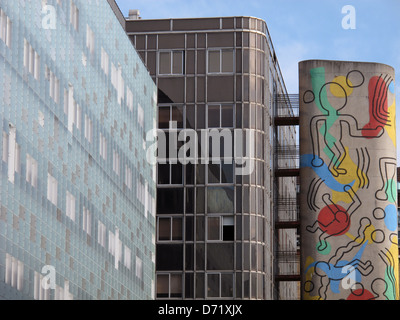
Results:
x,y
348,174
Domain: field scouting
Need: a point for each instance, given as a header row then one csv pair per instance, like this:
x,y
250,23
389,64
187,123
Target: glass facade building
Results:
x,y
77,193
216,237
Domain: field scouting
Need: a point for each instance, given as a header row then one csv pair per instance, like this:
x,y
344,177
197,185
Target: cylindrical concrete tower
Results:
x,y
348,180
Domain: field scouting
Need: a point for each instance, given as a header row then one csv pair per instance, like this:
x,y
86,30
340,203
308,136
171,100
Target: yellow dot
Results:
x,y
340,87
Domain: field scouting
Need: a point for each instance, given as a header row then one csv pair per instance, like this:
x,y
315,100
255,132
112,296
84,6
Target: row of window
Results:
x,y
218,116
219,285
222,173
219,228
211,116
219,61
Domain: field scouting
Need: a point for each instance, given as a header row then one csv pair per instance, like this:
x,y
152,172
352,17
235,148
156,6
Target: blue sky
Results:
x,y
302,29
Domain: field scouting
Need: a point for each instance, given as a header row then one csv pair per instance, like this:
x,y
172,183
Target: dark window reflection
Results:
x,y
213,285
226,285
169,257
170,200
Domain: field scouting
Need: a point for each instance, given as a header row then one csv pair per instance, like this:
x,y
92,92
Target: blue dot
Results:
x,y
391,217
391,87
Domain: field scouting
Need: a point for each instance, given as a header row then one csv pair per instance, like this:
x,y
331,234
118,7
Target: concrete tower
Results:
x,y
348,181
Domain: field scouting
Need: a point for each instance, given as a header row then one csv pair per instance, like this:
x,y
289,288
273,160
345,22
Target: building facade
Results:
x,y
349,237
216,236
77,192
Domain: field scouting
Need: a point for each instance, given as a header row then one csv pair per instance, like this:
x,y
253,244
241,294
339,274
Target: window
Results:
x,y
101,234
128,177
88,128
117,81
52,186
105,61
103,147
11,152
220,116
127,257
89,39
72,110
87,221
171,63
129,99
116,162
31,170
169,229
139,268
74,16
5,28
219,285
14,273
170,114
220,228
170,173
220,61
169,286
220,173
54,85
220,199
70,206
31,60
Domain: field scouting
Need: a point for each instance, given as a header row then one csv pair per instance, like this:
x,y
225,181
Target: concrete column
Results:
x,y
349,244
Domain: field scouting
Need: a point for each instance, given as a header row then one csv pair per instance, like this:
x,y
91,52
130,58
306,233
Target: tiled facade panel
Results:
x,y
77,193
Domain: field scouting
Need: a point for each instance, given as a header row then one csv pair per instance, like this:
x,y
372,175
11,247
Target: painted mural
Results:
x,y
348,175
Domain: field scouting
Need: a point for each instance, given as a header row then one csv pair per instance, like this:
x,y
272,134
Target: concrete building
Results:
x,y
349,233
216,229
77,194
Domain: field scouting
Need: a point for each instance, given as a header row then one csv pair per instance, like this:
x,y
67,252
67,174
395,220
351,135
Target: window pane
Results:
x,y
227,61
165,63
190,117
189,200
214,62
189,174
163,117
200,199
213,228
177,229
176,285
200,173
177,67
227,116
176,173
163,173
228,228
213,116
213,285
214,173
189,229
162,285
177,115
226,285
227,173
220,256
169,257
164,229
220,200
170,201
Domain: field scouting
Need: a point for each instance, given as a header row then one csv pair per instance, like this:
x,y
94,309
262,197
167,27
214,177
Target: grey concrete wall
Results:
x,y
348,181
